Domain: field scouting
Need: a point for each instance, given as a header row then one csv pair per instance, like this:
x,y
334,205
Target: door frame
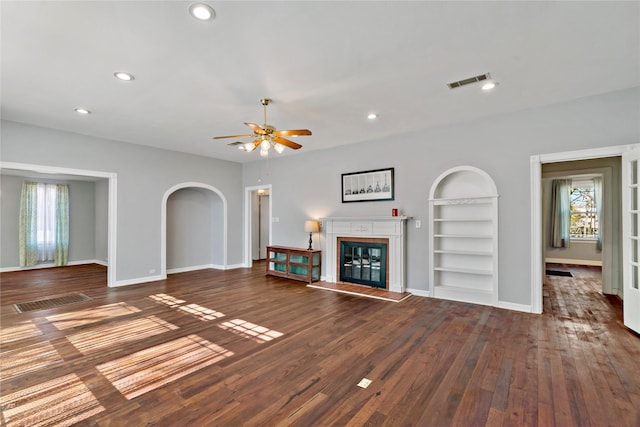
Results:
x,y
248,258
537,252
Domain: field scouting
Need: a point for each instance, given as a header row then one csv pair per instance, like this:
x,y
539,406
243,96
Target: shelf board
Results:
x,y
464,270
459,288
465,201
463,236
462,220
453,252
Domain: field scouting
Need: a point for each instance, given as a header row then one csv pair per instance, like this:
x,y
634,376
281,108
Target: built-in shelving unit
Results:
x,y
463,207
294,263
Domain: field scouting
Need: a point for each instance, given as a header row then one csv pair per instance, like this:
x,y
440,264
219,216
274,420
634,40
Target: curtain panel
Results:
x,y
597,189
560,213
44,223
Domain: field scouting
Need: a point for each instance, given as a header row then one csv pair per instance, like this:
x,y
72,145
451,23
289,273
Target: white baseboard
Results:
x,y
231,267
191,268
50,265
513,306
573,261
138,280
419,292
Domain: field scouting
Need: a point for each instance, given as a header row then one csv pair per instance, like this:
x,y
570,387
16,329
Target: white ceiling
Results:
x,y
325,64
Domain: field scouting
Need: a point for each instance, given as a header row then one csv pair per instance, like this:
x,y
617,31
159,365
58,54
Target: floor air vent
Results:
x,y
469,81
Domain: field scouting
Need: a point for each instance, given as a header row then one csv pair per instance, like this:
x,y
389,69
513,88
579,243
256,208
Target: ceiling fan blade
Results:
x,y
256,128
233,136
293,132
287,143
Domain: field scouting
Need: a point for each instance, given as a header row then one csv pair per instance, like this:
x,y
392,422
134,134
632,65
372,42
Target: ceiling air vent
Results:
x,y
469,81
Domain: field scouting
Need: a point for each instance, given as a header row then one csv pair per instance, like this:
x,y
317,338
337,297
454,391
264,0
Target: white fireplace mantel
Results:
x,y
392,228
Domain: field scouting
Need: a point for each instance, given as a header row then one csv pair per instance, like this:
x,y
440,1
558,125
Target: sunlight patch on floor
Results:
x,y
195,310
124,331
62,402
19,332
28,359
250,330
91,315
156,366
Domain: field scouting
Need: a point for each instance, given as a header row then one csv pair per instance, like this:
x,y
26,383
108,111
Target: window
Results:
x,y
44,223
584,214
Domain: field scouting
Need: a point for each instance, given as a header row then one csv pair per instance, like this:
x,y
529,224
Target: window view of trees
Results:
x,y
584,221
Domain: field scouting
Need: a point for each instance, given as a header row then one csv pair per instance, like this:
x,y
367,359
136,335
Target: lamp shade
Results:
x,y
311,226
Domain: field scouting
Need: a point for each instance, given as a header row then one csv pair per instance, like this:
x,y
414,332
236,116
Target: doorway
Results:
x,y
586,248
258,202
611,258
260,224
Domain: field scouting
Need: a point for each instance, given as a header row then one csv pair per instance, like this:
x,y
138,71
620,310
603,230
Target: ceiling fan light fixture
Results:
x,y
202,12
264,152
249,147
278,147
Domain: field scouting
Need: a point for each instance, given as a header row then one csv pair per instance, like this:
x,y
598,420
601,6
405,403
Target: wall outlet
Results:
x,y
418,223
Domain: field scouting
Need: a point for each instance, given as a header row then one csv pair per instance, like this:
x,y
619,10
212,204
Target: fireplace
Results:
x,y
363,261
390,230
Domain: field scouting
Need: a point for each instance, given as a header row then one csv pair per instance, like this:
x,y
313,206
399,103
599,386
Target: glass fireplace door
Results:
x,y
363,263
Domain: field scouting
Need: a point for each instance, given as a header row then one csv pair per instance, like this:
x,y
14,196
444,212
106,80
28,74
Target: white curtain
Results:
x,y
597,189
44,223
560,213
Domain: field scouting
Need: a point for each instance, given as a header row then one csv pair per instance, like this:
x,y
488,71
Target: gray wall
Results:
x,y
500,145
194,229
144,175
82,219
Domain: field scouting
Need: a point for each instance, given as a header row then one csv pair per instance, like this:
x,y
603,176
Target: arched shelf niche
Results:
x,y
463,257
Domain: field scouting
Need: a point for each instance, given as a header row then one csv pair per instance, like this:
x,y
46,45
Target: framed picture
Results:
x,y
367,186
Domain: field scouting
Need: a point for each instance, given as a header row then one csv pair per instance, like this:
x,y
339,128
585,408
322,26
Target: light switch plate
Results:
x,y
418,223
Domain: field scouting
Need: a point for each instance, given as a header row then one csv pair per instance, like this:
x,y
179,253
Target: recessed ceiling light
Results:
x,y
83,111
123,76
202,12
488,85
372,116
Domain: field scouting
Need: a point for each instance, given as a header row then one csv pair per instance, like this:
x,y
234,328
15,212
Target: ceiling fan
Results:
x,y
266,136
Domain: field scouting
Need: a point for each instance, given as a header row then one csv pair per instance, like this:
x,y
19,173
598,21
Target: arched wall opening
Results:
x,y
194,228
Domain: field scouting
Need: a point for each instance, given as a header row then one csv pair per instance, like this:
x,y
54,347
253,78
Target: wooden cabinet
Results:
x,y
294,263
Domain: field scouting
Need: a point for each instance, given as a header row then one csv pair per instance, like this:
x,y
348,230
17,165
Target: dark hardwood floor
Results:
x,y
234,348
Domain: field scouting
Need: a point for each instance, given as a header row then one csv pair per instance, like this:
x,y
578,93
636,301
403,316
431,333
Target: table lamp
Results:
x,y
311,227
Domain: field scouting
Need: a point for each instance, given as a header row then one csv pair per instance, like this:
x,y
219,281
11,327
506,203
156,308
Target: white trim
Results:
x,y
536,161
52,265
139,280
163,222
112,209
233,266
248,259
342,291
513,306
192,268
574,261
419,292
